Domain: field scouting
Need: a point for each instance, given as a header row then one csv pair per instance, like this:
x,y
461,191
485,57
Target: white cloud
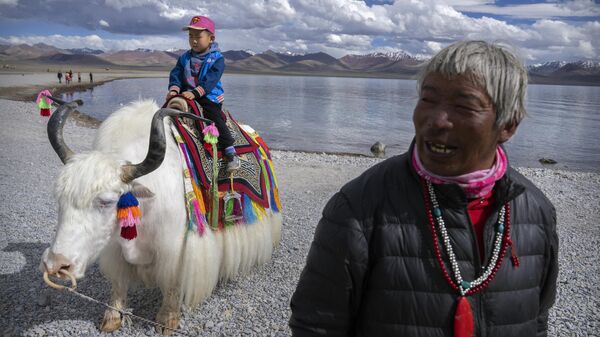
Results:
x,y
434,46
581,8
9,2
338,26
96,42
345,40
121,4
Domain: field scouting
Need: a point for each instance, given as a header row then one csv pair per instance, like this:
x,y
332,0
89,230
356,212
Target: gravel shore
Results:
x,y
256,304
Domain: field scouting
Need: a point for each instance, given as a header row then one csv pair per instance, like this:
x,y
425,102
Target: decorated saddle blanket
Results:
x,y
254,183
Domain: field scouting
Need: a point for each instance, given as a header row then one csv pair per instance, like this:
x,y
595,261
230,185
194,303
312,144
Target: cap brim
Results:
x,y
190,27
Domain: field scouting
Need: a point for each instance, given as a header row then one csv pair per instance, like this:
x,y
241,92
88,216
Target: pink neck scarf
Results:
x,y
475,184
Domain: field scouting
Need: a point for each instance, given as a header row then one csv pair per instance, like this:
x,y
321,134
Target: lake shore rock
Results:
x,y
256,304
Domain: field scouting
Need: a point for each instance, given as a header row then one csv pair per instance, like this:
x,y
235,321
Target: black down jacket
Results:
x,y
371,270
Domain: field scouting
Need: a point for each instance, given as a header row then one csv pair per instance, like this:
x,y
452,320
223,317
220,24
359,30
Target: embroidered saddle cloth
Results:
x,y
255,177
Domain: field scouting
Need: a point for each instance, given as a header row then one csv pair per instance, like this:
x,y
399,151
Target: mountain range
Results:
x,y
389,65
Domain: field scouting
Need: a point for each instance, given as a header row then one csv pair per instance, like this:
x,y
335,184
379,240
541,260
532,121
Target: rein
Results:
x,y
127,314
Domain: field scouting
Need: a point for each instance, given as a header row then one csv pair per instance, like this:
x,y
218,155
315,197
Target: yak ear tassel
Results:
x,y
128,215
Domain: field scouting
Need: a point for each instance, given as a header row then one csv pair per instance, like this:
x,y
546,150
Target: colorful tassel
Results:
x,y
274,202
44,103
200,220
128,215
249,215
464,326
211,134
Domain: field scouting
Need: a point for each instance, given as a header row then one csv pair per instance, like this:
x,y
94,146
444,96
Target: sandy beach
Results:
x,y
253,305
24,86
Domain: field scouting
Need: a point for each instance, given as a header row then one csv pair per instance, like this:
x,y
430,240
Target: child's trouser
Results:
x,y
213,112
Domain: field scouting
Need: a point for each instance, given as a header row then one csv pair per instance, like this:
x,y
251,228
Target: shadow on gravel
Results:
x,y
26,301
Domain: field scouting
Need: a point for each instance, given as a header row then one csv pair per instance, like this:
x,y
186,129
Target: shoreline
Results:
x,y
28,93
259,301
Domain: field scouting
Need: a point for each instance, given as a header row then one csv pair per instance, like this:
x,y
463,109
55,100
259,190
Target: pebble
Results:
x,y
256,304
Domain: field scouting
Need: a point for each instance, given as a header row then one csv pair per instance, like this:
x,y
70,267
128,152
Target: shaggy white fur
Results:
x,y
164,254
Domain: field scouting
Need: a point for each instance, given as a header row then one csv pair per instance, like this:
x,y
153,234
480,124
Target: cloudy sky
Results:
x,y
538,30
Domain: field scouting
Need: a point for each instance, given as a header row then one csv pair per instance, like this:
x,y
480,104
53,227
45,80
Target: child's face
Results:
x,y
200,40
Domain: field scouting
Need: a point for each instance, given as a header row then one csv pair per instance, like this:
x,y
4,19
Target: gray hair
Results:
x,y
490,66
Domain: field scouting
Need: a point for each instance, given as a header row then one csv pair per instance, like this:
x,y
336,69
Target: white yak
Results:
x,y
186,268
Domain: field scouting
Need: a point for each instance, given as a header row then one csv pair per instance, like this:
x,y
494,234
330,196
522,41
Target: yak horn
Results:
x,y
55,127
157,146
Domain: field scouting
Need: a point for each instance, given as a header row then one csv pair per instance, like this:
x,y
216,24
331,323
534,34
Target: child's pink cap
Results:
x,y
201,23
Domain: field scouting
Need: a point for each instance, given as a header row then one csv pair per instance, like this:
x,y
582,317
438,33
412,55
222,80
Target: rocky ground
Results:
x,y
252,305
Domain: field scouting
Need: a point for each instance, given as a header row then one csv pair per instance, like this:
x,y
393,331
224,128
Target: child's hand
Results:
x,y
170,94
188,95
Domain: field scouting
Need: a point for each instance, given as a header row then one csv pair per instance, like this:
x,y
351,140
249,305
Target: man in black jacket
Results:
x,y
446,239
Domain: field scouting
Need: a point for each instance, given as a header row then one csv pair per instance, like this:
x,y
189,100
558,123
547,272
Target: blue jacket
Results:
x,y
207,81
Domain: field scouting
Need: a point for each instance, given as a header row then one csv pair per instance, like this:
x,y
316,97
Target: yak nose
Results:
x,y
55,262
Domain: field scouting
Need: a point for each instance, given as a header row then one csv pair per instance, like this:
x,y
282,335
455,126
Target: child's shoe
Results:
x,y
233,163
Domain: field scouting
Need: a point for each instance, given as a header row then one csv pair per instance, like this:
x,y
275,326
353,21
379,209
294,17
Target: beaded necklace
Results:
x,y
463,318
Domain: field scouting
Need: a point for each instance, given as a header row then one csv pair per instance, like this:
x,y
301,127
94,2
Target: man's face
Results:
x,y
199,40
455,126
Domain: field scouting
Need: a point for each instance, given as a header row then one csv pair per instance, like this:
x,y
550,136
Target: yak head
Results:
x,y
88,189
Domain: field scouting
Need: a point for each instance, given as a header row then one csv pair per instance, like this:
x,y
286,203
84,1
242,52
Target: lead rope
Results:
x,y
124,313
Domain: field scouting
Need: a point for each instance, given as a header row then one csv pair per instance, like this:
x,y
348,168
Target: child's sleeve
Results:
x,y
213,76
175,77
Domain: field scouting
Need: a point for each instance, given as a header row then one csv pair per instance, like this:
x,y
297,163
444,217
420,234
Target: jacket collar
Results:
x,y
452,195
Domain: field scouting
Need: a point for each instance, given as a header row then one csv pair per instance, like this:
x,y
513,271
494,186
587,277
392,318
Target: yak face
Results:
x,y
87,190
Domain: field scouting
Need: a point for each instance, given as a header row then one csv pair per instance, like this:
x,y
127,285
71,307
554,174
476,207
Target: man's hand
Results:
x,y
170,94
188,95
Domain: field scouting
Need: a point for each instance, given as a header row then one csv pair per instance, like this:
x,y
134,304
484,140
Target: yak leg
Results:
x,y
169,313
118,299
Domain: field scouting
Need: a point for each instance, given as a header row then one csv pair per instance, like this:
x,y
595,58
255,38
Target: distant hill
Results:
x,y
236,55
85,51
141,57
584,72
397,64
377,61
27,52
70,59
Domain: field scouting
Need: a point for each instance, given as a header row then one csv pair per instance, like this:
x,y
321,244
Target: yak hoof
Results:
x,y
170,320
111,321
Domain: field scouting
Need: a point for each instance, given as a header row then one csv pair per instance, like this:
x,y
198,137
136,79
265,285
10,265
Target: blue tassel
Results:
x,y
273,203
249,215
127,200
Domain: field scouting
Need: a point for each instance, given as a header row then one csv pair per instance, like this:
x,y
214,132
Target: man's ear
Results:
x,y
141,192
507,131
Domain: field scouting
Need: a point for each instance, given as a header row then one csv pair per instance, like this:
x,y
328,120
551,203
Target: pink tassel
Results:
x,y
199,218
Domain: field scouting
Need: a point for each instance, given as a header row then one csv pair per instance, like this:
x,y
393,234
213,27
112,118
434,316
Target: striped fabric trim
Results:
x,y
221,98
174,88
199,90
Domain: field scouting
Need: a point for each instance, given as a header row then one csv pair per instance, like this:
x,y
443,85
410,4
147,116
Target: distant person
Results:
x,y
68,78
197,76
91,78
447,239
78,77
71,73
59,75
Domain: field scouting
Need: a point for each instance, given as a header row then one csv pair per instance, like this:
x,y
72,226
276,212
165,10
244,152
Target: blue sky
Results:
x,y
537,30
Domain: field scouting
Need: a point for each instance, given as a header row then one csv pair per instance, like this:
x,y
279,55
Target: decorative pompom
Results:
x,y
128,215
44,103
211,134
